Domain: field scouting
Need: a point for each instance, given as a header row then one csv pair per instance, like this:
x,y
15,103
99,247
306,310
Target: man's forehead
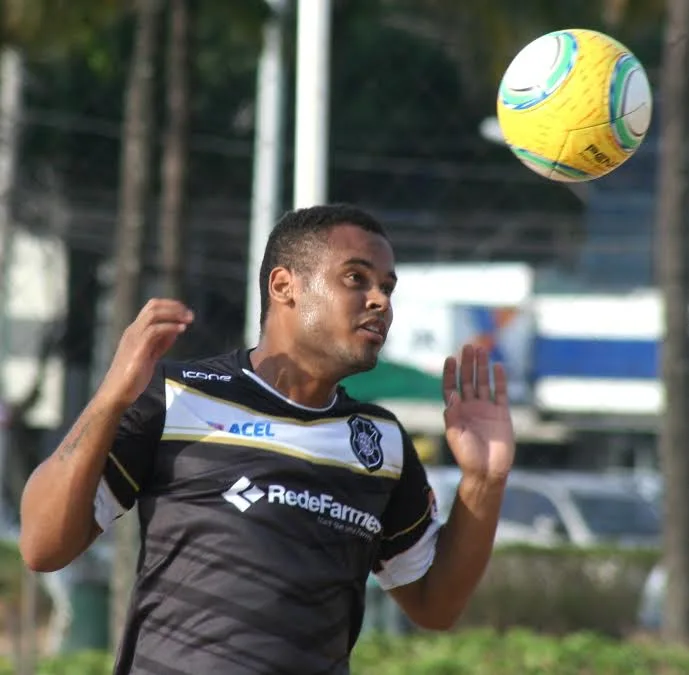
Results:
x,y
350,241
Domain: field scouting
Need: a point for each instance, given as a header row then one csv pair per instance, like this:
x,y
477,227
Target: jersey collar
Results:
x,y
247,369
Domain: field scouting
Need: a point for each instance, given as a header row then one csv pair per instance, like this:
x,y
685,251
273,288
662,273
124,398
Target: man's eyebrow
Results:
x,y
368,264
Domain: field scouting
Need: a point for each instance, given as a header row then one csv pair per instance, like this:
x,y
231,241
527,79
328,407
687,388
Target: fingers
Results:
x,y
449,378
155,329
466,373
165,311
482,375
161,337
160,322
500,379
475,377
163,329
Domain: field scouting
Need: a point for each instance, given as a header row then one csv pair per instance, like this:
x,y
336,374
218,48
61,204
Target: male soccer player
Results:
x,y
267,495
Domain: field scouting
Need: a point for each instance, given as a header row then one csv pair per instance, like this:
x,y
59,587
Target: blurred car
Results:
x,y
583,509
547,508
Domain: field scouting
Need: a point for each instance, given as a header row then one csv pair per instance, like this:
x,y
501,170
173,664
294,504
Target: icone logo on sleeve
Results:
x,y
198,375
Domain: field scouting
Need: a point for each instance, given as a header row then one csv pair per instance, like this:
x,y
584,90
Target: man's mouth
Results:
x,y
375,329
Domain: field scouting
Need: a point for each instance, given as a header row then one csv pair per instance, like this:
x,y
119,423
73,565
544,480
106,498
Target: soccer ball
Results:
x,y
574,105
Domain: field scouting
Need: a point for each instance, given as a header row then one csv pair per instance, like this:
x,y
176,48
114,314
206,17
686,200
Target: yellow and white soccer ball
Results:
x,y
574,105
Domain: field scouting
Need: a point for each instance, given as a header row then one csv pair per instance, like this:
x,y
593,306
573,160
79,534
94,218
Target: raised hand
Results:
x,y
145,340
478,425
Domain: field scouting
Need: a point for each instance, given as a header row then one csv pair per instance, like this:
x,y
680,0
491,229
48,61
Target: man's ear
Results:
x,y
281,286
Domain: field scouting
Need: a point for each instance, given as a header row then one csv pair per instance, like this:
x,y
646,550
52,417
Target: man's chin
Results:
x,y
365,361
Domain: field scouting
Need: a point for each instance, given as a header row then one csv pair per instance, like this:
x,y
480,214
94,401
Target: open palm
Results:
x,y
478,425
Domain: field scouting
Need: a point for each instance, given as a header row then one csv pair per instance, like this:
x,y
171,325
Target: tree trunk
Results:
x,y
174,159
11,74
135,179
672,267
10,113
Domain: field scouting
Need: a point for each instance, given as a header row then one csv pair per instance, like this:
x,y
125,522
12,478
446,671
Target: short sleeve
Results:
x,y
410,526
131,458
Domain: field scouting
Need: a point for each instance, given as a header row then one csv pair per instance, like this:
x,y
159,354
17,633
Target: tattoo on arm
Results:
x,y
71,444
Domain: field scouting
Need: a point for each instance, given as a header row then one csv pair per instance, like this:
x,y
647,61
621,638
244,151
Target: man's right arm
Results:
x,y
57,509
58,518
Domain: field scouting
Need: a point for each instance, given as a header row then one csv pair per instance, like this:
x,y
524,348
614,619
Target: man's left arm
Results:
x,y
463,548
479,432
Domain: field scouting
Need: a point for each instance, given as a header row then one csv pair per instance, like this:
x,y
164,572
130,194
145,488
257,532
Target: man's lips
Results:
x,y
375,328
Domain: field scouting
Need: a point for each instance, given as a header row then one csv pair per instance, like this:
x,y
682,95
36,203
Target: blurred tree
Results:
x,y
482,37
98,39
44,30
139,128
48,29
41,30
173,166
134,195
75,102
188,27
11,90
672,268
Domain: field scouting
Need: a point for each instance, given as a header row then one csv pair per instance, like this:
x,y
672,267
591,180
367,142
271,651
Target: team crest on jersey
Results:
x,y
365,440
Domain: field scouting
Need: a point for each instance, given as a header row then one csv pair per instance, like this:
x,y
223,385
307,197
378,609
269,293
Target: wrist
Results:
x,y
112,401
487,479
482,484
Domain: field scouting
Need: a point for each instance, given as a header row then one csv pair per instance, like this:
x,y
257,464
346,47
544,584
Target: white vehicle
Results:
x,y
547,508
582,509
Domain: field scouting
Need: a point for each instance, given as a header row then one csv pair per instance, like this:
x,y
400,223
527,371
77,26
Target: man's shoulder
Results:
x,y
353,406
216,368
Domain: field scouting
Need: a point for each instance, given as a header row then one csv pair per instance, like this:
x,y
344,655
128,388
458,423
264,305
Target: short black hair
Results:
x,y
294,238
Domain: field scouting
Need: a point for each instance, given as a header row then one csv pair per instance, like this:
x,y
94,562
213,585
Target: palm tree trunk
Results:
x,y
174,160
673,275
135,180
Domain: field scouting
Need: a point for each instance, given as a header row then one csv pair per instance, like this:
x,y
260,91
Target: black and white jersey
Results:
x,y
261,520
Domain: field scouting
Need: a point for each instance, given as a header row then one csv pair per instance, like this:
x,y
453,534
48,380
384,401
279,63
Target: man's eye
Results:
x,y
387,289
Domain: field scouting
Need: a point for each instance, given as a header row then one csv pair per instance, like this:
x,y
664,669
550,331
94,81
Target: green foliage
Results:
x,y
516,652
81,93
482,37
476,652
81,663
53,27
227,41
415,104
10,571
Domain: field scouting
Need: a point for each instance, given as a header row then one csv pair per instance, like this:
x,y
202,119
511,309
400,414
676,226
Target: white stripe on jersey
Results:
x,y
413,563
105,505
192,415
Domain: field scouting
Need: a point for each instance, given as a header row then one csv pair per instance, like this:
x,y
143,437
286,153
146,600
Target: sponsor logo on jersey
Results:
x,y
337,515
365,438
324,505
243,494
259,429
199,375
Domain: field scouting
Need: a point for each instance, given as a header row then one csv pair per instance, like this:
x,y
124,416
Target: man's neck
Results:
x,y
294,376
